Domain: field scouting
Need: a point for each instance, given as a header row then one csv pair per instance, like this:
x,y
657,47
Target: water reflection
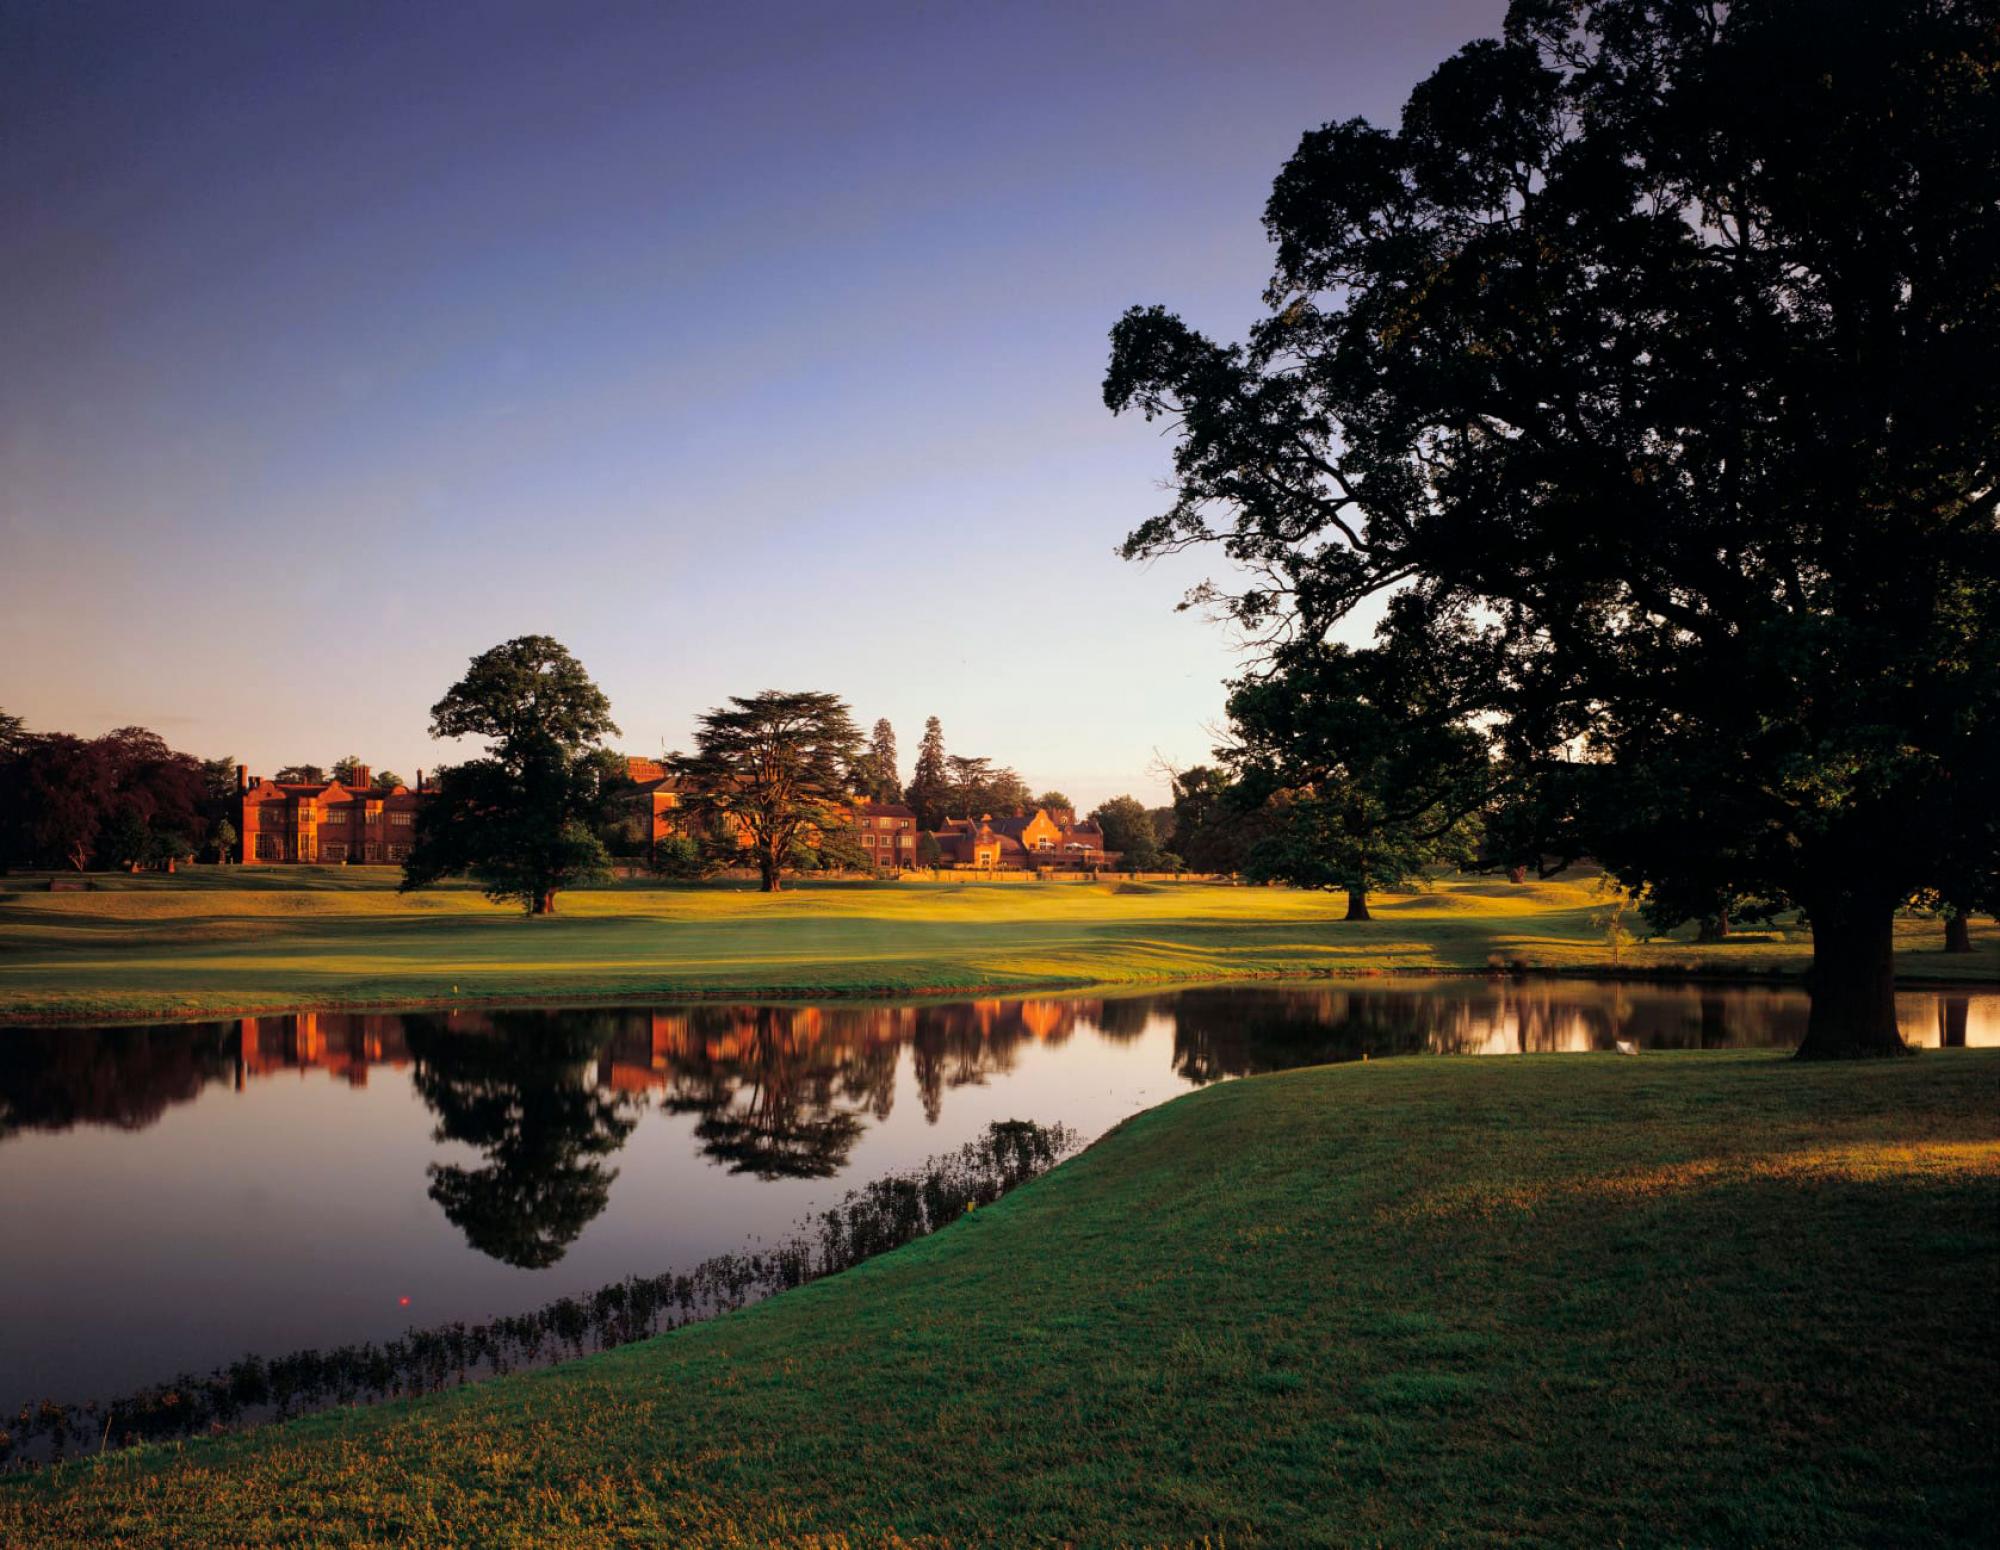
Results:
x,y
276,1182
522,1089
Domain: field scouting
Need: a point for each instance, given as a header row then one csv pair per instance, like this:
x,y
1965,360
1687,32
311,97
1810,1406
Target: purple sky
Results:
x,y
736,346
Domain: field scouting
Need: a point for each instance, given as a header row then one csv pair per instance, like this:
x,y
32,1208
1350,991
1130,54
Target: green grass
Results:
x,y
302,937
1687,1299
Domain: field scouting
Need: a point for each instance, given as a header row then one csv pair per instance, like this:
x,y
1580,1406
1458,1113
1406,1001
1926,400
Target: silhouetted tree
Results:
x,y
1660,338
1374,774
523,820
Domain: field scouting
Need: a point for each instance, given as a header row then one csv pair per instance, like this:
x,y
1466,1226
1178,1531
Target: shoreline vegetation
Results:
x,y
1277,1321
868,1220
225,941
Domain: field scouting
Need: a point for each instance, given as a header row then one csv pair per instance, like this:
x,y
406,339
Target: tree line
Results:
x,y
121,801
771,783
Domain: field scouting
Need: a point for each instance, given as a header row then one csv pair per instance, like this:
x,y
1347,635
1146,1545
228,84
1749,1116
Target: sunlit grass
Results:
x,y
279,938
1683,1299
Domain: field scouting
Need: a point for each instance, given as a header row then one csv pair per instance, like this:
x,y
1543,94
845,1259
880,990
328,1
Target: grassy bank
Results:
x,y
1573,1300
224,941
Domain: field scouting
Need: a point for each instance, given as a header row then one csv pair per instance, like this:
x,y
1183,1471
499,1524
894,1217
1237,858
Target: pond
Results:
x,y
174,1196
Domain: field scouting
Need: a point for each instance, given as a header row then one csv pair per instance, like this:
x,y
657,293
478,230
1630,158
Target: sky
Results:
x,y
737,347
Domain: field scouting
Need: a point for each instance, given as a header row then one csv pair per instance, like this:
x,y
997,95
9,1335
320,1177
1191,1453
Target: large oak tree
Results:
x,y
1659,337
524,820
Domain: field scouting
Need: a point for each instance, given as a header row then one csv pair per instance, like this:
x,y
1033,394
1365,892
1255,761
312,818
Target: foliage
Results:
x,y
976,788
114,800
1656,346
1216,820
773,767
1128,830
1375,775
929,792
388,780
929,852
875,778
302,775
682,857
222,838
523,820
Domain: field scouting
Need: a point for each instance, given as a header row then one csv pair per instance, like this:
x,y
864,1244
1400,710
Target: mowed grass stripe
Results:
x,y
144,945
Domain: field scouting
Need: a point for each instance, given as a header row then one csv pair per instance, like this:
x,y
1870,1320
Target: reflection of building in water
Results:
x,y
785,1066
344,1044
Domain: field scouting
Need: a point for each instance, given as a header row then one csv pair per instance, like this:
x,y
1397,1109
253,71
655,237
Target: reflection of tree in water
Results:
x,y
961,1044
1222,1033
1123,1018
1219,1033
57,1078
768,1085
518,1086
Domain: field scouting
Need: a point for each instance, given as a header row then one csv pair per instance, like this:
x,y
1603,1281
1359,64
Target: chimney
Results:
x,y
361,776
242,778
420,780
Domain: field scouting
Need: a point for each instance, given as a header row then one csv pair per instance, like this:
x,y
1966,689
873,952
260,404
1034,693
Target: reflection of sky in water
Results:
x,y
178,1195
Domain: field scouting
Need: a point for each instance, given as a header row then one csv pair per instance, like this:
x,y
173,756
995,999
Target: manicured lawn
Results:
x,y
1576,1300
226,941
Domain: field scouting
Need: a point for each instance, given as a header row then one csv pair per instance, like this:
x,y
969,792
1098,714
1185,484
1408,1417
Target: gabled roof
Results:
x,y
885,810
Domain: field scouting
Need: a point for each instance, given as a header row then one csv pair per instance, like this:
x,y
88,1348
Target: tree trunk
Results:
x,y
1517,874
1952,1018
545,902
1357,904
1853,980
1714,928
1958,933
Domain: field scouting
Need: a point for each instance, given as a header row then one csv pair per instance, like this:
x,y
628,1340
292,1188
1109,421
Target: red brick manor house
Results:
x,y
327,821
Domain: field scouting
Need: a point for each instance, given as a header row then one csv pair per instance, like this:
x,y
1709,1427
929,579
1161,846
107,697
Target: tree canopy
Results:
x,y
929,790
875,776
1372,772
523,821
1128,830
1651,355
123,799
774,768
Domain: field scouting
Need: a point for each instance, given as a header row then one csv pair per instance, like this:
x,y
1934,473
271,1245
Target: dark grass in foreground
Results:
x,y
1707,1299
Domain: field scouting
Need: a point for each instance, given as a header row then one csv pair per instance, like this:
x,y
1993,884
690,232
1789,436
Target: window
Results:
x,y
868,840
333,850
400,820
268,848
398,852
335,815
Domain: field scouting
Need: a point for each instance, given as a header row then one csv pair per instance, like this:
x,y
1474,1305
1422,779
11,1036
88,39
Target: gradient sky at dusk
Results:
x,y
736,346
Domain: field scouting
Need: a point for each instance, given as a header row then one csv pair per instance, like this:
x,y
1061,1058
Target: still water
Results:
x,y
174,1196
